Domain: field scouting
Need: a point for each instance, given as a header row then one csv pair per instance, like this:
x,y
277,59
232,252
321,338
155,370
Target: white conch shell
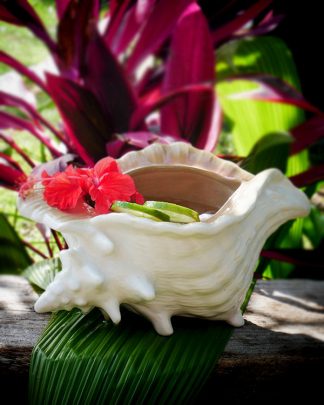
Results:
x,y
161,269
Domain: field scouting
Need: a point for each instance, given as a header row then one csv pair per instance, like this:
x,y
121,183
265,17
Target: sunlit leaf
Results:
x,y
252,119
271,89
271,150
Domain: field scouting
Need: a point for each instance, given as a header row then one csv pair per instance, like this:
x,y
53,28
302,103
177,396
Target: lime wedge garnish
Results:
x,y
139,211
177,213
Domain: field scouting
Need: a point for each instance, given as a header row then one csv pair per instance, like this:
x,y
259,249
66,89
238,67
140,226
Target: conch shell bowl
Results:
x,y
162,269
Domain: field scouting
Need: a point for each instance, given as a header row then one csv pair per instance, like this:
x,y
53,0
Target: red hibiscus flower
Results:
x,y
109,185
63,190
90,189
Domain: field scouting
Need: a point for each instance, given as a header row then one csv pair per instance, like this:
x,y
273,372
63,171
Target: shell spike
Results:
x,y
162,324
86,309
94,276
140,288
112,308
235,319
45,303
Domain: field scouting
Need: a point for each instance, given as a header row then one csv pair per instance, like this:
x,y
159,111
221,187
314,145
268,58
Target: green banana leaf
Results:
x,y
41,274
251,120
85,359
271,150
13,255
313,227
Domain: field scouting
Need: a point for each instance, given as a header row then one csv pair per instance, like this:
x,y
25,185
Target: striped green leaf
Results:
x,y
41,274
253,119
83,359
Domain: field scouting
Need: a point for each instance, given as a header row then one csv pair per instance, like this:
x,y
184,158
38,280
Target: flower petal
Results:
x,y
118,186
106,165
112,186
138,198
62,191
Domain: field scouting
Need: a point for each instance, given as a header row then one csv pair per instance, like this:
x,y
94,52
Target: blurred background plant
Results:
x,y
95,78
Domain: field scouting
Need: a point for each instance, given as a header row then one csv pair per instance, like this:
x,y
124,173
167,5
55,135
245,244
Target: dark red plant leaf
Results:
x,y
139,139
11,174
105,78
157,101
143,139
271,89
11,162
136,140
84,120
75,30
127,31
310,176
307,133
191,117
19,67
150,83
298,257
229,29
14,101
159,26
115,148
267,25
117,13
151,96
20,12
232,158
61,6
126,23
10,121
9,141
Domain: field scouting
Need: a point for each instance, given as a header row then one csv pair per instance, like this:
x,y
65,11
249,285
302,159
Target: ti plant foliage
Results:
x,y
126,78
132,79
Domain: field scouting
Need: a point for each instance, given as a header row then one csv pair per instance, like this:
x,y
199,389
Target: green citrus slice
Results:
x,y
177,213
139,211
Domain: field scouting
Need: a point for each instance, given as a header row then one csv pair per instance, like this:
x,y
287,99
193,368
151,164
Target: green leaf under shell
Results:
x,y
85,359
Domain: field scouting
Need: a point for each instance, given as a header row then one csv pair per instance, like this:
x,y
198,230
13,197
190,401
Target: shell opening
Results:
x,y
192,187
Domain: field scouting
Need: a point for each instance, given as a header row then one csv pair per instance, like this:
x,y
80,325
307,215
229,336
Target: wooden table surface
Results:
x,y
277,356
